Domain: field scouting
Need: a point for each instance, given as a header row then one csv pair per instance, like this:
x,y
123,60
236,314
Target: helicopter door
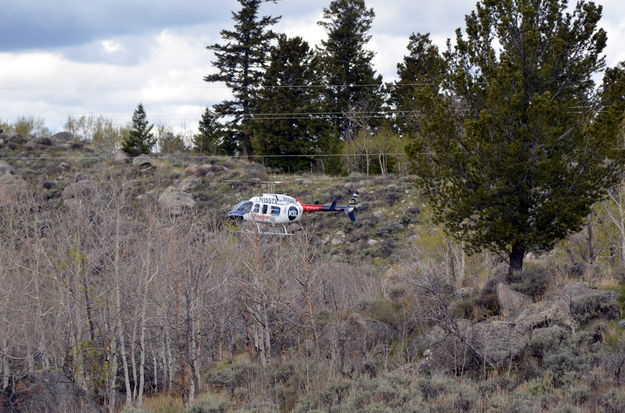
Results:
x,y
264,209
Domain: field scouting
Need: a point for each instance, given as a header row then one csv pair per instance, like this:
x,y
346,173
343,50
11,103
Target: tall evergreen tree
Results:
x,y
422,67
291,130
140,138
353,85
207,140
241,61
514,150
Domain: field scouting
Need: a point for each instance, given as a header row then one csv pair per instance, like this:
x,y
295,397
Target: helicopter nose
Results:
x,y
235,216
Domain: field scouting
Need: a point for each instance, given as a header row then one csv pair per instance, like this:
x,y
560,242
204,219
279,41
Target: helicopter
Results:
x,y
280,209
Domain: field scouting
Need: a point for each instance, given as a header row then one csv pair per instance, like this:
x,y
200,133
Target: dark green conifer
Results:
x,y
422,67
517,144
140,138
353,85
207,140
241,61
289,95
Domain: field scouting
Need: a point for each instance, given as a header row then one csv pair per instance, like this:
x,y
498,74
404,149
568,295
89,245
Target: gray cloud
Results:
x,y
45,24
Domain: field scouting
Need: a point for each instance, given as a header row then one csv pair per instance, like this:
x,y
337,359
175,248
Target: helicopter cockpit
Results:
x,y
241,209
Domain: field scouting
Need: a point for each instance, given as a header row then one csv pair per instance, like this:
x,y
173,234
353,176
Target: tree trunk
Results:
x,y
517,254
6,370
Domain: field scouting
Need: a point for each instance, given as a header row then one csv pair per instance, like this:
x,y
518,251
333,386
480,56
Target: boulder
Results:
x,y
74,194
12,187
175,201
5,168
497,341
587,303
197,170
119,156
143,162
510,301
41,142
189,183
62,137
545,314
355,342
46,392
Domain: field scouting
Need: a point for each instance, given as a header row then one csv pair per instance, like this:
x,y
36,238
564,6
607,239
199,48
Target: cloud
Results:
x,y
72,57
45,24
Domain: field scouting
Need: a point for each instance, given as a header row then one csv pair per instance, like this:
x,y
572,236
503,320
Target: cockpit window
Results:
x,y
256,209
243,207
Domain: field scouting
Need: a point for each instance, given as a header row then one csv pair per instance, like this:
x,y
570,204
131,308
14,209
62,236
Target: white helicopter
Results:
x,y
280,209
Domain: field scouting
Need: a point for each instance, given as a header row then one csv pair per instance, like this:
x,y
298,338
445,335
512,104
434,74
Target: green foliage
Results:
x,y
98,129
209,404
345,61
140,138
26,126
207,140
512,160
240,62
421,66
533,281
236,375
292,64
169,142
379,151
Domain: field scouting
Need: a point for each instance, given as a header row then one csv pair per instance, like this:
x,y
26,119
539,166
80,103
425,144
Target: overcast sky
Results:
x,y
102,57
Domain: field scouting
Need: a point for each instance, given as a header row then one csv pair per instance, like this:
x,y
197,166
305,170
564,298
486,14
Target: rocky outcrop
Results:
x,y
510,301
46,392
74,194
12,187
189,183
143,163
354,342
175,201
457,344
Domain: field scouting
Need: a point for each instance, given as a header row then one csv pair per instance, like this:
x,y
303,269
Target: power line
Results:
x,y
315,86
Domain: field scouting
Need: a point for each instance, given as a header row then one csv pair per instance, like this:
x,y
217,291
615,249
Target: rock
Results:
x,y
509,300
189,183
119,156
587,303
62,137
498,341
39,143
12,188
621,323
5,168
396,281
372,242
76,193
142,161
379,214
545,314
356,341
46,391
199,170
64,166
307,182
175,201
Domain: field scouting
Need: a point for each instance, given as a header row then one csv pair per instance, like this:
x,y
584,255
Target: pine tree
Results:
x,y
241,61
140,138
514,148
422,67
353,86
209,133
291,131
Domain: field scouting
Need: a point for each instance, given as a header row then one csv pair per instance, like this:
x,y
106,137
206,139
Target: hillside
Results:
x,y
120,276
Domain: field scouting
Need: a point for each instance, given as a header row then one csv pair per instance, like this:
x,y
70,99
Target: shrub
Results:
x,y
209,405
613,401
533,281
237,375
